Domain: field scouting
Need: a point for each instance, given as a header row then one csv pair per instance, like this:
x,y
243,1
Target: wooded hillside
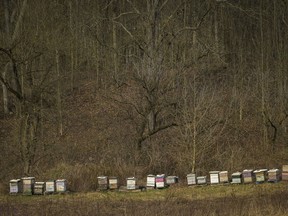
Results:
x,y
127,87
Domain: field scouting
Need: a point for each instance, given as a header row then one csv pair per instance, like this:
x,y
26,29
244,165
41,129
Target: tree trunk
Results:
x,y
262,73
59,105
5,92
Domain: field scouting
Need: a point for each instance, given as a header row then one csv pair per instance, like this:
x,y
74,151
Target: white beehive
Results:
x,y
50,187
214,177
191,179
151,181
201,180
61,185
131,183
15,186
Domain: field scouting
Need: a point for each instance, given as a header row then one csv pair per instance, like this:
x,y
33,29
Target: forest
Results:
x,y
129,87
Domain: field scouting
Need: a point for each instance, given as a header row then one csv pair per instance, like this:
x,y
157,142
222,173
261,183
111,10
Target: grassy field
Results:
x,y
264,199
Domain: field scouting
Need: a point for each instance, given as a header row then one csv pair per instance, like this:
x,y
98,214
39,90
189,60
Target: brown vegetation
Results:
x,y
128,88
214,200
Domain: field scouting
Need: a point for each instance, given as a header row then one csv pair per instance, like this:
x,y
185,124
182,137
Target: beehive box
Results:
x,y
284,176
160,181
39,188
172,180
201,180
191,179
15,186
102,182
28,185
260,175
131,183
214,177
285,168
248,176
285,173
236,178
150,181
50,187
223,177
113,183
61,185
273,175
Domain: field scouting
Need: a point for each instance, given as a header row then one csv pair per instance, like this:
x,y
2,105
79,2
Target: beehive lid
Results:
x,y
214,172
40,183
236,174
15,180
172,177
223,172
131,178
28,178
285,168
247,170
260,170
273,170
60,180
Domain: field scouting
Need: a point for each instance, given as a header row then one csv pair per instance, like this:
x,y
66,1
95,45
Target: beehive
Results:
x,y
201,180
236,178
150,181
15,186
160,181
39,188
214,177
172,180
28,185
131,183
113,183
248,176
274,175
223,177
50,187
191,179
102,182
285,173
61,185
260,175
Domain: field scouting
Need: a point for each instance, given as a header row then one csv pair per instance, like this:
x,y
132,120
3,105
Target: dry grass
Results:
x,y
265,199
